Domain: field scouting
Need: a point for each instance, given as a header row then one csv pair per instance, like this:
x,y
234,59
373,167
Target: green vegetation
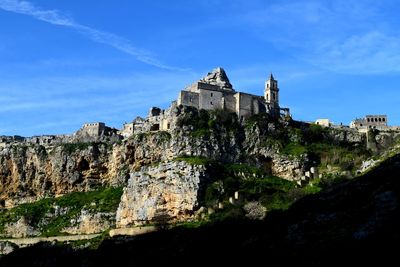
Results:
x,y
193,160
205,122
163,135
70,206
294,149
317,143
253,184
70,148
91,244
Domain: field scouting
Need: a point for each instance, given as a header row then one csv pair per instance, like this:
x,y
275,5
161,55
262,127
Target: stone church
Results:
x,y
216,92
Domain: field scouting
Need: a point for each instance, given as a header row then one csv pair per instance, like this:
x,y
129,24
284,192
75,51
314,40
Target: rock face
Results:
x,y
32,171
169,191
29,172
20,229
90,223
217,77
255,211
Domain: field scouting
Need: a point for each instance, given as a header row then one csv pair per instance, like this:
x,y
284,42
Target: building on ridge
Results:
x,y
213,92
216,92
379,122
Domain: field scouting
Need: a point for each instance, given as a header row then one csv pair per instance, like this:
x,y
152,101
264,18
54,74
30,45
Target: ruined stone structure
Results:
x,y
216,92
92,129
379,122
96,131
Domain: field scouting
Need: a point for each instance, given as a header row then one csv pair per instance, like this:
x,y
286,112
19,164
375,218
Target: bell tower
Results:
x,y
271,93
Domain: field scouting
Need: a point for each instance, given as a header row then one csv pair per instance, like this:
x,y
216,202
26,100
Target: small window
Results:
x,y
361,124
380,119
376,119
367,119
211,94
383,119
168,125
267,85
267,97
211,103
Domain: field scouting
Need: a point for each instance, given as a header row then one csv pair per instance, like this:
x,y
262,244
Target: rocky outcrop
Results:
x,y
169,191
7,247
90,223
255,211
20,228
217,77
346,136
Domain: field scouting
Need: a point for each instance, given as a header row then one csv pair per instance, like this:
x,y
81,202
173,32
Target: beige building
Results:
x,y
324,122
216,92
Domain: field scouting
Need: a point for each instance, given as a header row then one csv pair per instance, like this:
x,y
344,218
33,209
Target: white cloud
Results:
x,y
55,17
349,36
369,53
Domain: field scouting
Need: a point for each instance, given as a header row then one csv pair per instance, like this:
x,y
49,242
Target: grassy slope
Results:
x,y
101,200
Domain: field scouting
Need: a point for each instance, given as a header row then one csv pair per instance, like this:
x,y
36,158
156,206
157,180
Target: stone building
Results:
x,y
96,131
324,122
379,122
216,92
93,129
212,92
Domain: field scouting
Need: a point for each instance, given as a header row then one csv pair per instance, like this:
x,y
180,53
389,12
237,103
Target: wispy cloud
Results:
x,y
369,53
79,99
350,36
55,17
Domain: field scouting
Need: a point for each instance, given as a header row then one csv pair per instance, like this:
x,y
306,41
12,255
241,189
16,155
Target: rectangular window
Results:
x,y
211,94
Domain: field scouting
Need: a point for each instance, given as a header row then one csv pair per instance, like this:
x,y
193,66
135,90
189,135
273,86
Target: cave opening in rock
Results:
x,y
266,164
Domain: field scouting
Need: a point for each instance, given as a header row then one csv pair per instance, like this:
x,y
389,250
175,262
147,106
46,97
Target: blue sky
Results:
x,y
64,63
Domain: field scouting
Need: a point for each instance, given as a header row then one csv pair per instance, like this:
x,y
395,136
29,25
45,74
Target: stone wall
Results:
x,y
210,100
190,99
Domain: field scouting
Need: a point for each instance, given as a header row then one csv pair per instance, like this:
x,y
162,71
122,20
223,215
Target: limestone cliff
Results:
x,y
164,192
31,171
156,183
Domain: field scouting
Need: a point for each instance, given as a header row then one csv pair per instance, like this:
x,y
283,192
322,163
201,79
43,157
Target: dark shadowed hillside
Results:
x,y
355,221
